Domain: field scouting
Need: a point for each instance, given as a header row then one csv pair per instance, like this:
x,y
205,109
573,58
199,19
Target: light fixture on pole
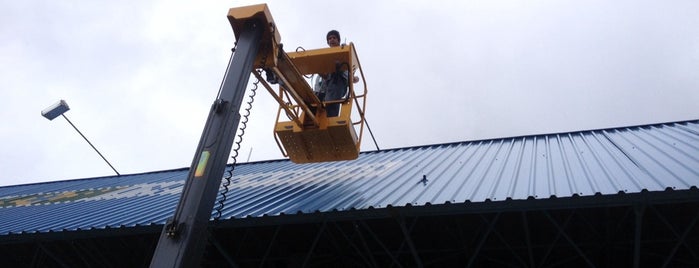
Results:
x,y
60,108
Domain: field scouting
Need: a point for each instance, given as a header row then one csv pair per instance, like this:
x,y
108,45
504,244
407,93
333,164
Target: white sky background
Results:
x,y
140,75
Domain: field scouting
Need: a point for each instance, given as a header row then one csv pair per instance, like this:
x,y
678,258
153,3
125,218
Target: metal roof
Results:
x,y
585,163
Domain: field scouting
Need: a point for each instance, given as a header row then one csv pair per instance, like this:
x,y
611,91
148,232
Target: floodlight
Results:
x,y
58,109
55,110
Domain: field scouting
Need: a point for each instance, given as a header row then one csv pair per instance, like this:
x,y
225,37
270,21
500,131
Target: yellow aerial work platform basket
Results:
x,y
303,131
311,136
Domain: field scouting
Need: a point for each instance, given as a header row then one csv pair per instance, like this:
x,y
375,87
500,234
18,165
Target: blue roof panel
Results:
x,y
584,163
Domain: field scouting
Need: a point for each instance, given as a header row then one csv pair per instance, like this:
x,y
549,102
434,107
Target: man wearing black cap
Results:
x,y
333,86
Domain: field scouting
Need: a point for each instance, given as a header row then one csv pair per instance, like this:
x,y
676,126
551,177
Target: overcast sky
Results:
x,y
140,75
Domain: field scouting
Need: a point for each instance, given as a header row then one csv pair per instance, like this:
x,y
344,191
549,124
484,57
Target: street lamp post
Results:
x,y
60,108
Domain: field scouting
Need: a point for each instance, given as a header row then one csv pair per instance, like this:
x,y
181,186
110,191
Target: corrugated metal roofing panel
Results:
x,y
584,163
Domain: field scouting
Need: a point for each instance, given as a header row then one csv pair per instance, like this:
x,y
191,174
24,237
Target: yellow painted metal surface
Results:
x,y
336,142
321,139
322,61
271,39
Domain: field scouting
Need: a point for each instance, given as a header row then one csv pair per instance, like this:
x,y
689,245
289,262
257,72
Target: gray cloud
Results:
x,y
140,76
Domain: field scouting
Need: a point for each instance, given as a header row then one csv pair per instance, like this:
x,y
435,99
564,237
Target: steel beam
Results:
x,y
509,247
271,244
222,251
53,256
366,246
638,231
491,225
314,244
77,252
352,244
681,241
528,239
411,245
553,243
381,244
674,232
572,243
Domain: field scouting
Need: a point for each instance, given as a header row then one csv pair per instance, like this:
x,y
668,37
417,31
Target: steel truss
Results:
x,y
639,235
632,235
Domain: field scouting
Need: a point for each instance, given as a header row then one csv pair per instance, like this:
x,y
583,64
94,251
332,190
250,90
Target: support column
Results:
x,y
638,210
527,236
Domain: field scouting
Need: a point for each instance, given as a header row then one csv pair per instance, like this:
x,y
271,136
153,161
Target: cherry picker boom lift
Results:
x,y
303,131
